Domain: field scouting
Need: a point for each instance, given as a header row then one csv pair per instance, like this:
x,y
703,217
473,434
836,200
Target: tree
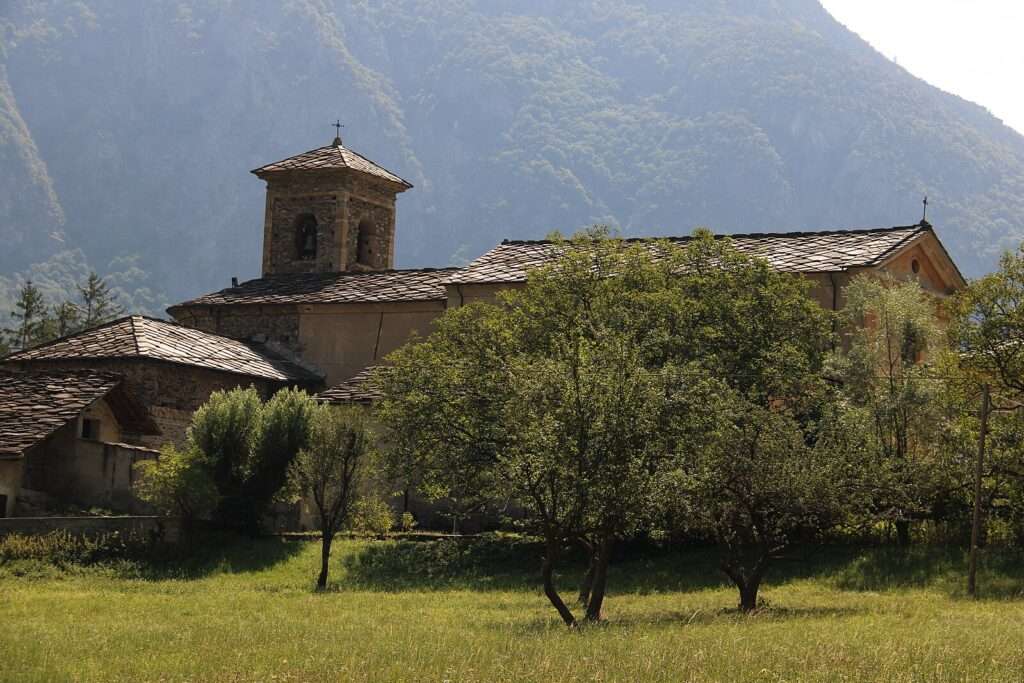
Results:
x,y
99,304
66,318
894,338
177,483
762,481
329,470
30,316
988,324
548,399
246,446
442,409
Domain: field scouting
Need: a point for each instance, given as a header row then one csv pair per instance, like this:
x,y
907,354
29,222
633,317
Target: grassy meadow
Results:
x,y
458,610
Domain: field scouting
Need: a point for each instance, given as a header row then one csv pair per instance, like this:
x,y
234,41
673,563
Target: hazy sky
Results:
x,y
973,48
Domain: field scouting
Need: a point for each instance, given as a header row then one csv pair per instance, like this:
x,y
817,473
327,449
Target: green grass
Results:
x,y
460,611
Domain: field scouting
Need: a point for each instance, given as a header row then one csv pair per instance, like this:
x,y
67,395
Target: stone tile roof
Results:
x,y
426,284
141,337
801,252
33,405
357,389
331,157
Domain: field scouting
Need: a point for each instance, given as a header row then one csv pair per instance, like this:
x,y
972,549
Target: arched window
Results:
x,y
305,237
364,243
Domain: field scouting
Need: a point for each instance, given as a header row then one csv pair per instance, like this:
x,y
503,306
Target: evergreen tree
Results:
x,y
32,324
99,304
67,319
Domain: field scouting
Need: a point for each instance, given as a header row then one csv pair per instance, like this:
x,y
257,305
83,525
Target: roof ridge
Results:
x,y
135,336
757,235
70,335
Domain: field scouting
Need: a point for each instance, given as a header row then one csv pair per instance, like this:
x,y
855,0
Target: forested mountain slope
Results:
x,y
128,128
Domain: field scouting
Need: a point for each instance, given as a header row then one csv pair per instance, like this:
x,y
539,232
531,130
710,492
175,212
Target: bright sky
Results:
x,y
973,48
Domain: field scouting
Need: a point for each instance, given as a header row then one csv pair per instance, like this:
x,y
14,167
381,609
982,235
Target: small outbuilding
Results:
x,y
169,369
69,437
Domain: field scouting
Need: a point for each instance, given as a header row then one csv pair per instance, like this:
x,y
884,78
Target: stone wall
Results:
x,y
278,325
372,223
286,214
339,200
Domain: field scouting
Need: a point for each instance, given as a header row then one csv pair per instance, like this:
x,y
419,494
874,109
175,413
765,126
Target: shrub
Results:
x,y
407,522
63,549
372,516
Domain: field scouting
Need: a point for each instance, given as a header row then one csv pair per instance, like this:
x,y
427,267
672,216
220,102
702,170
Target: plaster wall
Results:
x,y
10,484
341,340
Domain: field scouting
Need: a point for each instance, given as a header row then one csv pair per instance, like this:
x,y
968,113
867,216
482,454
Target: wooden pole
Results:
x,y
972,570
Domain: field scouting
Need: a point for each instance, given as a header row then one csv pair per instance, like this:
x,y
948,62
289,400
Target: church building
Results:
x,y
331,300
329,306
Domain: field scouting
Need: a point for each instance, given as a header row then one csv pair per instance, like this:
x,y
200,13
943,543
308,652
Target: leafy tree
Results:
x,y
894,337
246,446
329,470
547,399
759,485
99,304
443,410
988,325
284,430
178,483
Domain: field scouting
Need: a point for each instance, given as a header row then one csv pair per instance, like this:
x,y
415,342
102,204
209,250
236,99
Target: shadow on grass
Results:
x,y
508,562
944,568
216,553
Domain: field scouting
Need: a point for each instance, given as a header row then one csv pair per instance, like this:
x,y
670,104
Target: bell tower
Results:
x,y
329,210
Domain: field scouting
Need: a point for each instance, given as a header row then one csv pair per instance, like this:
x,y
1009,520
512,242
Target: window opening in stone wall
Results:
x,y
3,506
305,237
90,428
364,244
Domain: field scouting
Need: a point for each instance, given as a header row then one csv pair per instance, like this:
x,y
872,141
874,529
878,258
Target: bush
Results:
x,y
372,517
63,549
407,522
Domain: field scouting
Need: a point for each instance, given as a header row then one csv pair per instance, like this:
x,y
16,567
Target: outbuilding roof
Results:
x,y
357,389
332,157
33,405
800,252
142,337
384,286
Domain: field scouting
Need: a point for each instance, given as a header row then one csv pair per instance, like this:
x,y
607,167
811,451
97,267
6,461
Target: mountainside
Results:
x,y
128,128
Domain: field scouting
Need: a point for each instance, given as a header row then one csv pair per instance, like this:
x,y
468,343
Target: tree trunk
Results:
x,y
549,585
903,533
748,584
587,584
325,559
600,580
748,595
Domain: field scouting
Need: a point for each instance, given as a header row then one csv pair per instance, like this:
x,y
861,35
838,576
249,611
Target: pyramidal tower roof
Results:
x,y
334,156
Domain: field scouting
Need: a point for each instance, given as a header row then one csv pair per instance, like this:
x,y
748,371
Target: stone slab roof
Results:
x,y
332,157
799,252
141,337
33,405
385,286
357,389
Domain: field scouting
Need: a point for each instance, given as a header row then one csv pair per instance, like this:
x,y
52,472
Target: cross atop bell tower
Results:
x,y
329,210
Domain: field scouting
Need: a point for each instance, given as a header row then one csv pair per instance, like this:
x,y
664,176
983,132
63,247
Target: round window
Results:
x,y
915,266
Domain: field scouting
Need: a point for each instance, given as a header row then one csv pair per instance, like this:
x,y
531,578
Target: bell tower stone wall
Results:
x,y
320,221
